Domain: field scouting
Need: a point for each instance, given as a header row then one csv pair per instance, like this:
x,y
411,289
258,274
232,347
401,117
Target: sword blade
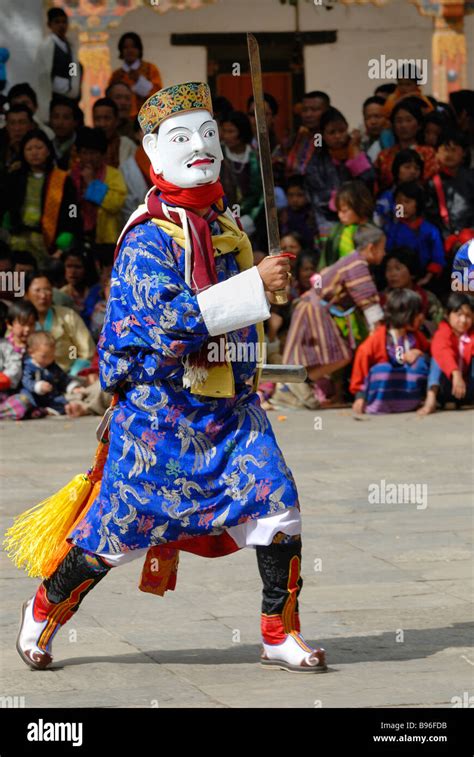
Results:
x,y
265,154
284,374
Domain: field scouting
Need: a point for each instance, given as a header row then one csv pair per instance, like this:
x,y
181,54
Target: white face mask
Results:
x,y
186,150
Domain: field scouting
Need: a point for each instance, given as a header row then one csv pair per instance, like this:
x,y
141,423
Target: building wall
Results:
x,y
21,31
397,30
341,69
469,31
364,31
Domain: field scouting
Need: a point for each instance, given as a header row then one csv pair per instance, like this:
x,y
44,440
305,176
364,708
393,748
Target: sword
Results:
x,y
265,157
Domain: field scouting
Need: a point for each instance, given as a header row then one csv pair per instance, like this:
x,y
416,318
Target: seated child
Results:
x,y
407,166
298,215
10,373
391,366
21,319
355,206
451,377
410,229
43,380
450,200
400,269
10,360
338,160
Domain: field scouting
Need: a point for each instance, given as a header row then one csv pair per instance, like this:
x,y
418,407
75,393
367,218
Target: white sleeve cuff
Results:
x,y
235,303
373,314
142,86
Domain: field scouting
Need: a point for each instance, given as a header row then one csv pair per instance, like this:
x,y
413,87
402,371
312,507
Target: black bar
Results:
x,y
135,732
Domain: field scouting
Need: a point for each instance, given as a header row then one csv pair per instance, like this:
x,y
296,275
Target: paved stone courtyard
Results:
x,y
388,585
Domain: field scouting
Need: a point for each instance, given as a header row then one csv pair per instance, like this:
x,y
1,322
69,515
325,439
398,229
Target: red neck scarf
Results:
x,y
196,198
203,267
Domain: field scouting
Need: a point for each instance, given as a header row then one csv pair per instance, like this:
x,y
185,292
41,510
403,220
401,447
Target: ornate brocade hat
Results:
x,y
180,98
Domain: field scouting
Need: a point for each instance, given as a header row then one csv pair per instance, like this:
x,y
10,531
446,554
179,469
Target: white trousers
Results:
x,y
249,534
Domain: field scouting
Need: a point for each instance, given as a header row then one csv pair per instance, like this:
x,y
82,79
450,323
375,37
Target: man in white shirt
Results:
x,y
59,71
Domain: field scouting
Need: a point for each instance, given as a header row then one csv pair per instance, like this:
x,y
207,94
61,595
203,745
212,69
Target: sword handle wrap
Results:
x,y
281,297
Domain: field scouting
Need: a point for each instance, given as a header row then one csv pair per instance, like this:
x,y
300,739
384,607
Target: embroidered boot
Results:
x,y
283,645
56,600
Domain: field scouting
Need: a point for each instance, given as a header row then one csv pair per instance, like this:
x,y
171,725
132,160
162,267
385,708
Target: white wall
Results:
x,y
396,30
364,31
469,31
21,31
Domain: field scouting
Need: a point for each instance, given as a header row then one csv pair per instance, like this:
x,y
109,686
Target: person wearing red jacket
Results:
x,y
391,366
451,376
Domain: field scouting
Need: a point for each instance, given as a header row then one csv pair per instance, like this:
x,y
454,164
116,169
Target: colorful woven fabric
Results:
x,y
14,406
314,338
396,389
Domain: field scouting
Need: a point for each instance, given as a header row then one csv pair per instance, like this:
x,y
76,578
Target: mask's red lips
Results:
x,y
201,162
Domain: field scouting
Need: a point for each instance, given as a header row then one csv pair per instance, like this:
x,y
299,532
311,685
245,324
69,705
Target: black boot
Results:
x,y
283,645
56,600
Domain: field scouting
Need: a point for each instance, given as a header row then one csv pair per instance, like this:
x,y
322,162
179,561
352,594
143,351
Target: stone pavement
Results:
x,y
388,584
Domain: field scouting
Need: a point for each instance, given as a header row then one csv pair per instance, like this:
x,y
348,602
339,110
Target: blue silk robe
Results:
x,y
179,464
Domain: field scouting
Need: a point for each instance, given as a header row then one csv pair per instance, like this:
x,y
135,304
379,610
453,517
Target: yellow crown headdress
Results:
x,y
180,98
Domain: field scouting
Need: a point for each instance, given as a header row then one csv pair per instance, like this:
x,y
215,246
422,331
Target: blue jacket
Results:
x,y
425,241
53,373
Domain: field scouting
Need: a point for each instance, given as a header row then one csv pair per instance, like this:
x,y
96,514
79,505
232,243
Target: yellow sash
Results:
x,y
220,379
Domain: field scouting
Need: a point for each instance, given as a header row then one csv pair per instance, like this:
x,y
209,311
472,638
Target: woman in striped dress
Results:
x,y
314,340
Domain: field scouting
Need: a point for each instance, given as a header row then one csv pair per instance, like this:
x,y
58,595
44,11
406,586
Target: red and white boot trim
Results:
x,y
34,642
285,649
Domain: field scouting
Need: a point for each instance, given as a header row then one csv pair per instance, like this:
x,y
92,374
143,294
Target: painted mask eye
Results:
x,y
180,138
210,133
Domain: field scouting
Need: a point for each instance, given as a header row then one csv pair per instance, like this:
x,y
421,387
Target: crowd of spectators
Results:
x,y
379,219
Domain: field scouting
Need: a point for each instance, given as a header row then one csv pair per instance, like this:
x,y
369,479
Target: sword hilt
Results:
x,y
281,297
